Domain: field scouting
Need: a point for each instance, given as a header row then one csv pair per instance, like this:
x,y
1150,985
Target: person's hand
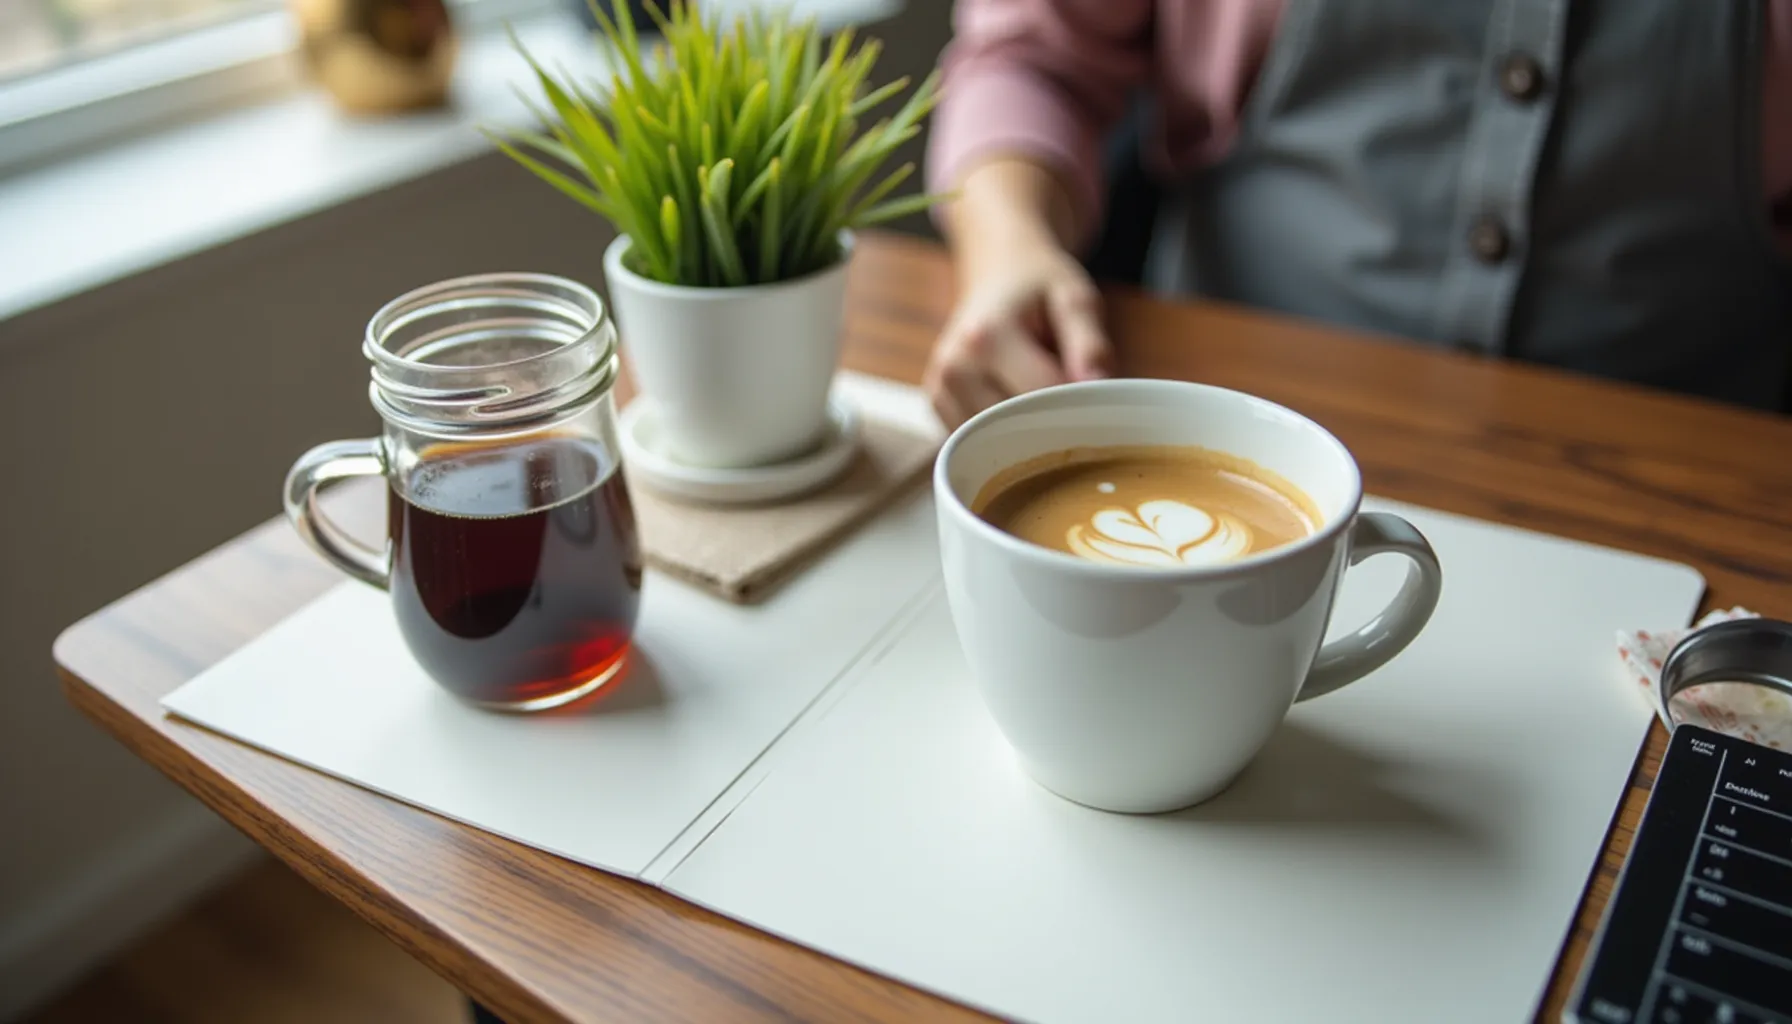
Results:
x,y
1026,319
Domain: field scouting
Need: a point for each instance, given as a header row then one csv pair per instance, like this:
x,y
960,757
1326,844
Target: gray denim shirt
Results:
x,y
1576,184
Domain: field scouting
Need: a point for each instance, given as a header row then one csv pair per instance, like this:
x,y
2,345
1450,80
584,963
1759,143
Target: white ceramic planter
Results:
x,y
739,376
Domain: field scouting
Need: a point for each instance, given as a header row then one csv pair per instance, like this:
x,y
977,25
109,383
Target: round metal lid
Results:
x,y
1755,651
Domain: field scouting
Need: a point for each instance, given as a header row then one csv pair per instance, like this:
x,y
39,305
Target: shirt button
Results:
x,y
1489,240
1521,77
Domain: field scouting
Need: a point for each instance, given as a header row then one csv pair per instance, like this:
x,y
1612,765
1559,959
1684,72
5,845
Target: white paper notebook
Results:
x,y
1409,849
711,685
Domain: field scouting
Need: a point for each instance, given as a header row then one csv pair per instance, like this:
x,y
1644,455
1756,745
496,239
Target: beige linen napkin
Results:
x,y
743,553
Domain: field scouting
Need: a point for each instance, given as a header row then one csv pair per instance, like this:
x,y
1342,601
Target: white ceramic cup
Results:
x,y
1144,689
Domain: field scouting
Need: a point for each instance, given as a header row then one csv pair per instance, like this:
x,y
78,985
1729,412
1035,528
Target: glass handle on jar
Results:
x,y
325,464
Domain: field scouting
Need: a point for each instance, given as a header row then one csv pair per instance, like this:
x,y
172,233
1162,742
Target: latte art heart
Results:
x,y
1146,505
1162,532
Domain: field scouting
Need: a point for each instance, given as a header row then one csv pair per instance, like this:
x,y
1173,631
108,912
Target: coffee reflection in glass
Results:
x,y
512,557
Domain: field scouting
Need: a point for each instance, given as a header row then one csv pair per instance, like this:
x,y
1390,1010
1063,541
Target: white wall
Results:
x,y
151,420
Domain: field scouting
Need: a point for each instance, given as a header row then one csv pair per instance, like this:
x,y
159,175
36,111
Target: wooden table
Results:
x,y
536,937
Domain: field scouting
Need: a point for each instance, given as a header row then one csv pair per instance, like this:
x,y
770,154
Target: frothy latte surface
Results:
x,y
1147,505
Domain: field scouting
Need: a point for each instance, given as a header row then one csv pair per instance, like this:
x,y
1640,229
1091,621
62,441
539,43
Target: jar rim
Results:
x,y
422,298
480,390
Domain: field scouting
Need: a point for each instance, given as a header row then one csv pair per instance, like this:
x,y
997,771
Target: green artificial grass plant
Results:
x,y
728,157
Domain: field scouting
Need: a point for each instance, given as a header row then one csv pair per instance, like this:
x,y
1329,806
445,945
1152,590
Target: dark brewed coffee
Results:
x,y
516,571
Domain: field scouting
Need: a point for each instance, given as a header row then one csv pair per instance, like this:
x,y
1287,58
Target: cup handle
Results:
x,y
1349,658
325,464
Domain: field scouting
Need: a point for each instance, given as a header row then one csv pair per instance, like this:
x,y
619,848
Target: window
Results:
x,y
36,35
75,74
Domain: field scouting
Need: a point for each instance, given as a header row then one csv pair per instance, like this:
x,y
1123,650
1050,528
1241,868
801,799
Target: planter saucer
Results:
x,y
649,466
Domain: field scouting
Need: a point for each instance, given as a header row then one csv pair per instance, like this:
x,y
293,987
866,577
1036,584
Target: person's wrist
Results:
x,y
1000,247
1009,210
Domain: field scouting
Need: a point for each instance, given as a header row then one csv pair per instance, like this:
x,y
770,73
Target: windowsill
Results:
x,y
85,221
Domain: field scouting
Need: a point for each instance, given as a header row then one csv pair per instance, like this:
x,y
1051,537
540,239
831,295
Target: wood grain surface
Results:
x,y
539,938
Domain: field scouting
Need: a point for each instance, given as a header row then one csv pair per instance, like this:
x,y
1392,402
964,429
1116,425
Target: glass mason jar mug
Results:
x,y
511,553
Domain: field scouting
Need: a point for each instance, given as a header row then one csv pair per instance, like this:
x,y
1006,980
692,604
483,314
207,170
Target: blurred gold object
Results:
x,y
378,56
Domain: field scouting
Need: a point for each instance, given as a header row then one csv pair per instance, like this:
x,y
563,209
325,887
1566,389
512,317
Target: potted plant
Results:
x,y
736,162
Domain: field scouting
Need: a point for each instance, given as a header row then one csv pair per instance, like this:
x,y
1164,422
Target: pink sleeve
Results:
x,y
1043,78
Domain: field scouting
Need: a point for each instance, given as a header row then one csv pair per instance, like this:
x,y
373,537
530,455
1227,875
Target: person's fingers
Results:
x,y
933,379
954,377
971,391
1075,308
982,359
964,370
946,407
1018,362
945,403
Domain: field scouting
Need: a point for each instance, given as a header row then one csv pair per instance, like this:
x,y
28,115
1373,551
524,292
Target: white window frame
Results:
x,y
167,81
